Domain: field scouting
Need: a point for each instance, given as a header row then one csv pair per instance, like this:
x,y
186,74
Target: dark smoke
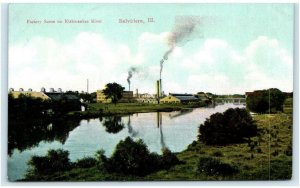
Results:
x,y
131,71
182,32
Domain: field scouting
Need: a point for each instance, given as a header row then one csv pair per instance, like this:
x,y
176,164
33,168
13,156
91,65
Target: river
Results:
x,y
175,130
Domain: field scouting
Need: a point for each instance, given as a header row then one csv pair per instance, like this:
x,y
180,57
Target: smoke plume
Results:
x,y
182,32
131,71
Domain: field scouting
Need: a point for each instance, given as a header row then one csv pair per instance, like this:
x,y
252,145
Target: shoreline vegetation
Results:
x,y
95,110
265,156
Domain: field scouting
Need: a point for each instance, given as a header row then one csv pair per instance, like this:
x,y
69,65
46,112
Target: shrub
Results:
x,y
168,159
232,126
54,161
86,162
211,166
134,158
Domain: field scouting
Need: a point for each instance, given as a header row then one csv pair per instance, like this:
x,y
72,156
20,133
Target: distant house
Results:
x,y
179,98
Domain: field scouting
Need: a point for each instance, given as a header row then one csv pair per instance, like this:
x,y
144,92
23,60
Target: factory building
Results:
x,y
179,98
146,98
30,93
101,97
127,96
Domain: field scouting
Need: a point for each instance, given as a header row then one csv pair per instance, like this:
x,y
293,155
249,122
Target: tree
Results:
x,y
232,126
113,91
133,158
263,101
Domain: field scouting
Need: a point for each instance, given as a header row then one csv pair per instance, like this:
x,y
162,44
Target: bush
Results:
x,y
211,166
134,158
168,159
101,160
232,126
260,101
54,161
86,162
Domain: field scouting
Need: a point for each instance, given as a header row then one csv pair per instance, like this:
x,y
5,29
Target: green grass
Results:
x,y
288,106
101,109
267,159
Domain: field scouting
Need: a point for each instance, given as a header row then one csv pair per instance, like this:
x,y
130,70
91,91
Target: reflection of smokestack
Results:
x,y
158,119
130,129
159,125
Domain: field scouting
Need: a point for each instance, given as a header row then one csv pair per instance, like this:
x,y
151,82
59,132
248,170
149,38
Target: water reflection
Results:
x,y
113,124
159,125
131,131
181,113
27,134
159,130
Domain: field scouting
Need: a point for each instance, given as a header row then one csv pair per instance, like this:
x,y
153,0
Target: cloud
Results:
x,y
215,66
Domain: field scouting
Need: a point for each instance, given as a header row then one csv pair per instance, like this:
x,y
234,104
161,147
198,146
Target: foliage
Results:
x,y
27,107
232,126
260,101
113,91
54,161
113,124
86,162
211,166
134,158
101,160
168,159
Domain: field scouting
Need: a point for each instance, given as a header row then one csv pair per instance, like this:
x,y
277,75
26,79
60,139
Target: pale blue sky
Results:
x,y
242,47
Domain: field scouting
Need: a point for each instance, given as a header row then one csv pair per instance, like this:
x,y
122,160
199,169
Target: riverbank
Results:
x,y
267,156
95,110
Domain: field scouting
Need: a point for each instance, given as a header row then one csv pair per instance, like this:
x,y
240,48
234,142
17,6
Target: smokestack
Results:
x,y
129,86
137,92
158,89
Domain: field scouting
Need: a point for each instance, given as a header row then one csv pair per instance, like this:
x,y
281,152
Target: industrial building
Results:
x,y
179,98
101,98
127,96
43,94
30,93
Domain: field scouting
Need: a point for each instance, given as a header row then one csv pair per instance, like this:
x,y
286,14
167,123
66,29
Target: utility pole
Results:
x,y
87,85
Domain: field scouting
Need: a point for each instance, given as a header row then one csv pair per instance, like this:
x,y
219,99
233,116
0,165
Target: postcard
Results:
x,y
150,92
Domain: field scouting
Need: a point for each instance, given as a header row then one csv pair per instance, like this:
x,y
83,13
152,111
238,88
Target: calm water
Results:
x,y
175,130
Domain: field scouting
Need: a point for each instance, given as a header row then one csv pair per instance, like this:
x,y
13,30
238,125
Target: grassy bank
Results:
x,y
100,109
266,156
